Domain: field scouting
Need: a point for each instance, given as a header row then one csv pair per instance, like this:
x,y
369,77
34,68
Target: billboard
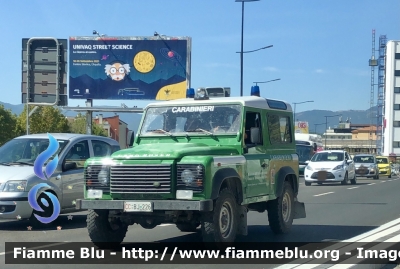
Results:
x,y
137,68
301,127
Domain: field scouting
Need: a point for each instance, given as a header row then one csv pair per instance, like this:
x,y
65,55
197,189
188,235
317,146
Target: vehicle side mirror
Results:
x,y
255,135
349,161
315,147
69,166
307,162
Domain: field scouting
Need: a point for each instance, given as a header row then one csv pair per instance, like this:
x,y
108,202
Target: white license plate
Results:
x,y
138,207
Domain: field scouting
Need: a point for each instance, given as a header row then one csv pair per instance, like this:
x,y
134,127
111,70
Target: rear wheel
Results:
x,y
281,211
307,183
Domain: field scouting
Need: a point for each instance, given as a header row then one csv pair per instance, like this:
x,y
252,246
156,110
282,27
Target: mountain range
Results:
x,y
316,118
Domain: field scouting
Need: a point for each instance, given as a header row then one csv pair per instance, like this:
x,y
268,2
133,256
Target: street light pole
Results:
x,y
326,124
315,126
294,108
241,46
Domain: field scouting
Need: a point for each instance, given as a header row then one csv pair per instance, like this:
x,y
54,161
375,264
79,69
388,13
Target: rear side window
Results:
x,y
279,129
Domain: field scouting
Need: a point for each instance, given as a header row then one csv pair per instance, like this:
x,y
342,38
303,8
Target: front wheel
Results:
x,y
103,233
281,211
345,180
225,217
187,227
354,180
307,183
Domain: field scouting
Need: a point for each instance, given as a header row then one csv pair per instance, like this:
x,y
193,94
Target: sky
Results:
x,y
320,48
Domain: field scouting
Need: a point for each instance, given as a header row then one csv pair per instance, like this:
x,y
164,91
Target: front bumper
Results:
x,y
385,171
331,176
158,205
15,209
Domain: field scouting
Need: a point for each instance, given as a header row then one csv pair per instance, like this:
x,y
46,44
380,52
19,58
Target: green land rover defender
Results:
x,y
198,162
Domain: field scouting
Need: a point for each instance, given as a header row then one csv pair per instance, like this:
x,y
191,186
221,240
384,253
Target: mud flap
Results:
x,y
299,210
242,225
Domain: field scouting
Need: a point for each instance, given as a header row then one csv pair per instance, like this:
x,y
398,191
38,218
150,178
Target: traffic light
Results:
x,y
44,71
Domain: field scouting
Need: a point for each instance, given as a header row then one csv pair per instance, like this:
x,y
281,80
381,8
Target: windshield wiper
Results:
x,y
200,130
26,163
160,130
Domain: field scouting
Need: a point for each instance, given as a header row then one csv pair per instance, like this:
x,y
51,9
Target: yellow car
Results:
x,y
384,166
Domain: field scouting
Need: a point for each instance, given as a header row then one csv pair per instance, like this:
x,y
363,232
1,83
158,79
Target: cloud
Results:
x,y
319,71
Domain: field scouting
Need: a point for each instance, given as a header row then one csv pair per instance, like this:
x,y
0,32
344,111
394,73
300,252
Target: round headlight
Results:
x,y
187,176
103,177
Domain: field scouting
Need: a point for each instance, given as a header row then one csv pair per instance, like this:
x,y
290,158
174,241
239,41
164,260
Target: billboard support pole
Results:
x,y
89,118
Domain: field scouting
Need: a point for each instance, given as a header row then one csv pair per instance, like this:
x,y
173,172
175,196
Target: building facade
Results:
x,y
115,128
391,124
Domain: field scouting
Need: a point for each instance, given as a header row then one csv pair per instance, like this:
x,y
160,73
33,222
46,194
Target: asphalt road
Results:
x,y
334,212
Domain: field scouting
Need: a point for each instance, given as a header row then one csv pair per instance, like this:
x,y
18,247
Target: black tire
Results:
x,y
281,211
187,227
101,232
390,176
345,181
307,183
225,217
354,180
376,176
47,212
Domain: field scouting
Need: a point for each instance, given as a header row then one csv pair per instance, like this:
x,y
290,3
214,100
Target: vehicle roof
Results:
x,y
249,101
364,155
66,136
334,150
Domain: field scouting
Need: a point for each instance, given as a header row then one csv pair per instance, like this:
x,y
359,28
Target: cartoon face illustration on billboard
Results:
x,y
117,70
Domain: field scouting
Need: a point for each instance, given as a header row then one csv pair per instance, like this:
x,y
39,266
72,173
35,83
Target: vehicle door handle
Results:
x,y
58,177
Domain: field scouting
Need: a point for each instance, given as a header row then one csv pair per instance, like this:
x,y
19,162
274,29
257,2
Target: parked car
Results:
x,y
17,174
366,166
329,166
384,165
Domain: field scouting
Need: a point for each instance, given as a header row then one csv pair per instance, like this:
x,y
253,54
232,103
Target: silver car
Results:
x,y
366,166
17,175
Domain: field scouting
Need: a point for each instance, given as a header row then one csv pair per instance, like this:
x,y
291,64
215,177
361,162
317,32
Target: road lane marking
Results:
x,y
371,184
324,193
166,224
49,245
390,180
352,188
370,236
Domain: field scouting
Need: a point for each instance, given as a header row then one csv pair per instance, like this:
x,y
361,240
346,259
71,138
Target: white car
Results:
x,y
330,166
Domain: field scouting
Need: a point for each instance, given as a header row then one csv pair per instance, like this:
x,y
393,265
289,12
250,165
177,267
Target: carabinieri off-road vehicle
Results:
x,y
198,161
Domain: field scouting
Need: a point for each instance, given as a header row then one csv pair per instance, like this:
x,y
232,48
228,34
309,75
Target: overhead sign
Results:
x,y
147,68
44,72
301,127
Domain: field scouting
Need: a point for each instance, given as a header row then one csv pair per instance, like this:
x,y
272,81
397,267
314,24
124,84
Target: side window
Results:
x,y
253,120
78,154
279,129
101,149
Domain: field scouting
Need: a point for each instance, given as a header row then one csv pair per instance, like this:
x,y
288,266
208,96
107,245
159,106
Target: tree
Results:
x,y
8,124
78,125
46,119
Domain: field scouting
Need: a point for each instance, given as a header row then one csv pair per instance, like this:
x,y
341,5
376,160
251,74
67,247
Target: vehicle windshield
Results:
x,y
382,160
363,159
25,150
199,119
327,157
305,152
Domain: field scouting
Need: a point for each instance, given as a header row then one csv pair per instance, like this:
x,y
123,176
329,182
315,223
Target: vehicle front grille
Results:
x,y
140,178
329,175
